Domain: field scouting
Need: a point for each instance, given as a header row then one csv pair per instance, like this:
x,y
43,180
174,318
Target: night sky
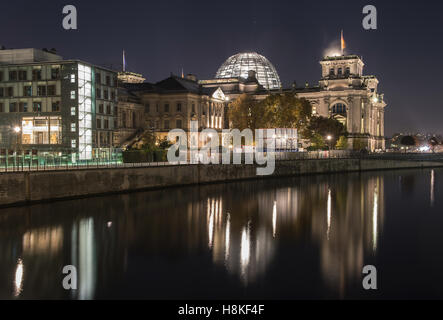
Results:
x,y
161,37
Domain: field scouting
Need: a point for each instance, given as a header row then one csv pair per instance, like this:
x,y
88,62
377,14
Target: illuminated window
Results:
x,y
73,94
41,130
85,112
73,143
73,127
240,64
72,78
72,111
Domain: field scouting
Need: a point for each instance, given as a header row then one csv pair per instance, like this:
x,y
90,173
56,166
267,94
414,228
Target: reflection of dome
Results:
x,y
238,66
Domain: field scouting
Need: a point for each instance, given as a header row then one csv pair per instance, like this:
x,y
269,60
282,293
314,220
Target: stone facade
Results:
x,y
347,95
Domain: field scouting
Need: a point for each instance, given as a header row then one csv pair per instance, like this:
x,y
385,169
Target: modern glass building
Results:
x,y
240,64
50,107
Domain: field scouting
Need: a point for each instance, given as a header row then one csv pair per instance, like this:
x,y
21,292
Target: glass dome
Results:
x,y
238,66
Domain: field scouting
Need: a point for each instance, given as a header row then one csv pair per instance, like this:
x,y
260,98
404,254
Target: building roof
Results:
x,y
336,58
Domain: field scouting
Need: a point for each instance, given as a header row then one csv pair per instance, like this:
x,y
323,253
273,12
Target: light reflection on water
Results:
x,y
306,237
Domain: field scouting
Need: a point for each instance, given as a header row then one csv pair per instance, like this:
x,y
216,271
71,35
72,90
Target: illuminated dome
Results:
x,y
238,66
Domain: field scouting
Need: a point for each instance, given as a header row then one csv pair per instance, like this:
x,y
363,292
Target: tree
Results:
x,y
327,127
245,112
148,141
408,141
342,143
164,144
317,142
287,111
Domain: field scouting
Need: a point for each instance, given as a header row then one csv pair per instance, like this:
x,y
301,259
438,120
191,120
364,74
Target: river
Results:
x,y
293,238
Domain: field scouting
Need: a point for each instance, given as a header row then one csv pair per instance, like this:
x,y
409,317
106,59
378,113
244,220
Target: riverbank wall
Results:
x,y
18,188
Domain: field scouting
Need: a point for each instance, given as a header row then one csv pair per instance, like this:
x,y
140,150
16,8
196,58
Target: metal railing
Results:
x,y
57,164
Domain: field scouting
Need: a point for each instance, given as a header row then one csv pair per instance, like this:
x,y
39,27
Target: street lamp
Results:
x,y
17,130
329,138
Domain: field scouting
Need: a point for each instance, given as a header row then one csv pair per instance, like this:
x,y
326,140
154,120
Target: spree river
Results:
x,y
294,238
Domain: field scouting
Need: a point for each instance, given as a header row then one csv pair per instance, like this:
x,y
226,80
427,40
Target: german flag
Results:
x,y
343,43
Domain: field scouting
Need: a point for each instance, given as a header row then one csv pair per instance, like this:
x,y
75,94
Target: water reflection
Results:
x,y
322,228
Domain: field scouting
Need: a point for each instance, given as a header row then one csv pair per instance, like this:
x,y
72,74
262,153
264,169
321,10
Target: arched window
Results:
x,y
339,108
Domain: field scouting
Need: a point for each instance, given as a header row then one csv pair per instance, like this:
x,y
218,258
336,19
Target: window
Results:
x,y
112,95
167,107
73,127
41,91
55,73
37,107
27,91
98,78
1,75
166,124
193,107
51,90
41,130
105,94
331,72
22,75
108,109
108,80
72,78
178,123
106,124
2,107
179,107
22,107
147,107
73,94
9,92
36,74
72,111
100,108
56,106
98,93
99,123
348,70
12,107
157,108
12,75
2,92
340,71
339,108
73,143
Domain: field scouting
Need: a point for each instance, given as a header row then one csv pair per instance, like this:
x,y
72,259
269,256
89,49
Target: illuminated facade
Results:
x,y
240,64
54,107
343,93
346,94
176,101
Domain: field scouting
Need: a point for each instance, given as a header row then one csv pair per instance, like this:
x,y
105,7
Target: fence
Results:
x,y
51,164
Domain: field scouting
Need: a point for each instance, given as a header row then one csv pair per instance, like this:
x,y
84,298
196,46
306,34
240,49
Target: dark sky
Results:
x,y
162,36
